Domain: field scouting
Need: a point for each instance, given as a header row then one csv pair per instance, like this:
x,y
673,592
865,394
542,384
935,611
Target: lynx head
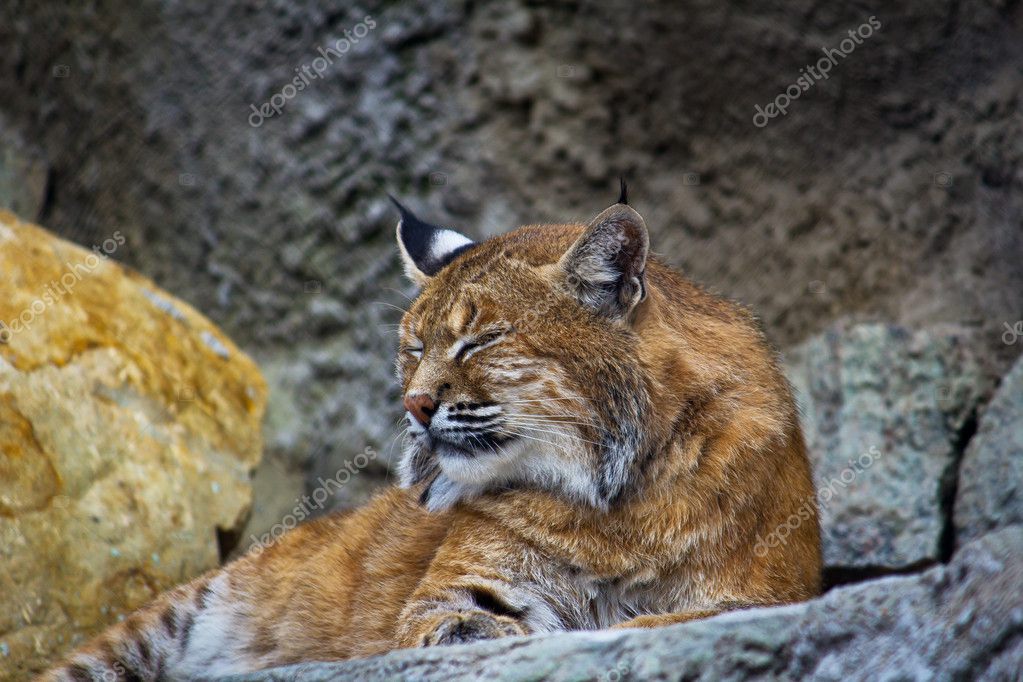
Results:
x,y
518,360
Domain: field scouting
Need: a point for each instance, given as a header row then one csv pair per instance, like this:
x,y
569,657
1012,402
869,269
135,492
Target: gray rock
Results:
x,y
990,491
882,409
485,116
955,622
23,175
488,115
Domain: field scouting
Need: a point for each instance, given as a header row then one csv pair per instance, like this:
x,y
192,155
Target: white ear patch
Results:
x,y
446,242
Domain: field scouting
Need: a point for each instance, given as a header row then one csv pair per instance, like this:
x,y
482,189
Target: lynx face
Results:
x,y
518,363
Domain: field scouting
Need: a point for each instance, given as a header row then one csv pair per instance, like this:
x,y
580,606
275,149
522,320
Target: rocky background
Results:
x,y
876,227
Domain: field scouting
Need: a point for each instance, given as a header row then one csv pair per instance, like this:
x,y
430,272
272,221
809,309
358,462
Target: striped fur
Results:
x,y
593,442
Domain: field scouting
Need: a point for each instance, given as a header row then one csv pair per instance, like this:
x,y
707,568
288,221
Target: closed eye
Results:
x,y
413,350
480,342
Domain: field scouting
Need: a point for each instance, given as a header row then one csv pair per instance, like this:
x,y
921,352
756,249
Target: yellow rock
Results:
x,y
129,427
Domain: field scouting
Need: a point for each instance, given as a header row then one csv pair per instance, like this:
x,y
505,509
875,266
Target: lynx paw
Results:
x,y
469,626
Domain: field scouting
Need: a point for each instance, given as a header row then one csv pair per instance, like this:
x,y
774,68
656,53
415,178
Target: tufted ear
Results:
x,y
426,249
605,268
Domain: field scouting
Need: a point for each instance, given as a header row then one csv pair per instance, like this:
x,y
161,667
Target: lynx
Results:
x,y
593,441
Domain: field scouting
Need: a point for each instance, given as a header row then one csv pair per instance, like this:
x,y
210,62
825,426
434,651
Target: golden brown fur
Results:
x,y
646,443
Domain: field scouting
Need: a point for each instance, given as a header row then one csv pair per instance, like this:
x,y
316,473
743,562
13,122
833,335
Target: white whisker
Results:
x,y
541,440
543,400
552,418
390,449
526,422
553,421
558,433
391,305
400,293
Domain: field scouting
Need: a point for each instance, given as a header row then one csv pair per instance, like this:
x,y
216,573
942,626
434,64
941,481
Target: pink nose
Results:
x,y
422,407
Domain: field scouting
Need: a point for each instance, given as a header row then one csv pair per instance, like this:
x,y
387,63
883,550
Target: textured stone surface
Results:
x,y
129,426
955,622
893,189
883,412
890,191
23,175
990,493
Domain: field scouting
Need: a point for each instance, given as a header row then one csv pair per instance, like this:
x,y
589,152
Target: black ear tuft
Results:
x,y
623,195
426,248
414,234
